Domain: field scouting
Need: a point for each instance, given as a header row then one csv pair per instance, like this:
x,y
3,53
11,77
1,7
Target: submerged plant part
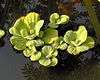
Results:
x,y
78,41
48,57
56,20
2,33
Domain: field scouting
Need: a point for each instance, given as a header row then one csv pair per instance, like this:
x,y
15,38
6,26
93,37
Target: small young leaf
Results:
x,y
63,19
54,17
36,56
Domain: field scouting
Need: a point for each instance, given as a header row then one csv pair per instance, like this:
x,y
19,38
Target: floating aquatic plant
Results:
x,y
48,57
25,28
78,41
41,45
56,19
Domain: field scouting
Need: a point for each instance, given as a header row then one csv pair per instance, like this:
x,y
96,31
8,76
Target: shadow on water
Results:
x,y
85,66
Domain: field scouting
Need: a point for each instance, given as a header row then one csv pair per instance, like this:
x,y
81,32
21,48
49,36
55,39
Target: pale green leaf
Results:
x,y
27,52
38,26
53,25
45,62
81,35
36,56
31,19
55,53
24,33
19,43
69,36
73,50
18,26
54,17
88,44
54,61
50,35
62,46
63,19
38,42
47,50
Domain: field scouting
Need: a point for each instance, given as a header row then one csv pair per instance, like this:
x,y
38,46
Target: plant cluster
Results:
x,y
42,45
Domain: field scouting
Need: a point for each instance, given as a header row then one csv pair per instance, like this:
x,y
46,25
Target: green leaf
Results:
x,y
47,50
36,56
63,19
45,62
54,17
41,34
2,33
62,46
54,61
88,44
30,50
18,26
24,33
31,19
73,50
81,35
55,53
50,35
53,25
38,26
19,43
38,42
69,36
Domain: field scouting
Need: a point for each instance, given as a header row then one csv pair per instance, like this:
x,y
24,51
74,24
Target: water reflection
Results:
x,y
33,71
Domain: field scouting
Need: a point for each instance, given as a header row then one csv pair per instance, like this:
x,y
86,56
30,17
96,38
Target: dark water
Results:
x,y
14,66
